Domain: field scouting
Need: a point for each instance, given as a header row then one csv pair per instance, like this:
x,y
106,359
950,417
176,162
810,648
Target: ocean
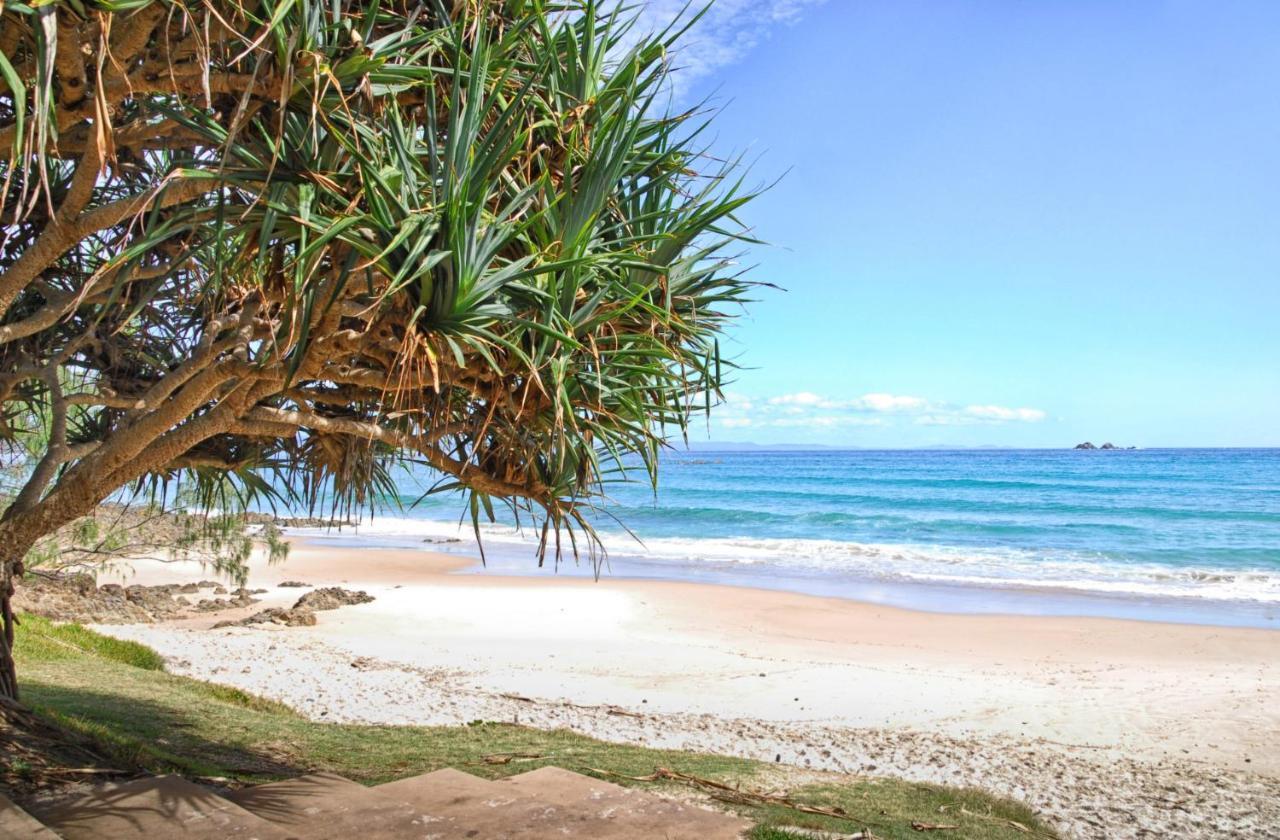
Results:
x,y
1190,535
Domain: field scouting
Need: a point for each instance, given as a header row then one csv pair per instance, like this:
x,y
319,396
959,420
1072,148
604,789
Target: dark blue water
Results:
x,y
1192,534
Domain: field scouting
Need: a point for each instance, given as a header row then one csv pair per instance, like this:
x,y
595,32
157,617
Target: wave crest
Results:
x,y
760,558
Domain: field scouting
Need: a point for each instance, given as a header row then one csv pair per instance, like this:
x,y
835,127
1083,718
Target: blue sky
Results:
x,y
1013,223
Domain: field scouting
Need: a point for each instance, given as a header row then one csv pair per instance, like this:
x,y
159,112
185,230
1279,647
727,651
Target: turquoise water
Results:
x,y
1169,534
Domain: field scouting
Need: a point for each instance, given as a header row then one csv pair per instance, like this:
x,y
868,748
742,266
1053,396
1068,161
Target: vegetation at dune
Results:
x,y
137,717
48,641
269,251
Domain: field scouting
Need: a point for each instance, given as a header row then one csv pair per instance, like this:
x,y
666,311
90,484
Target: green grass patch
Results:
x,y
39,639
116,694
889,807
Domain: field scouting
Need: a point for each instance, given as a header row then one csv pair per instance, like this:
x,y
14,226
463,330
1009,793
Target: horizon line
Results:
x,y
727,445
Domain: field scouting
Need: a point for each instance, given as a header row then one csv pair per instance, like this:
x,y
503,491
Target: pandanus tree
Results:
x,y
289,243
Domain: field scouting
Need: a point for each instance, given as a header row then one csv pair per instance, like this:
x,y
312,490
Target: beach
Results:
x,y
1175,536
1108,727
472,373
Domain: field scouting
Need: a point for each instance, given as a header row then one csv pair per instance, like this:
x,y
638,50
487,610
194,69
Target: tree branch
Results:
x,y
62,234
55,455
371,431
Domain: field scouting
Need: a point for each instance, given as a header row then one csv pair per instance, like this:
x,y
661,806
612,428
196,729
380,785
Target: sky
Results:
x,y
1008,222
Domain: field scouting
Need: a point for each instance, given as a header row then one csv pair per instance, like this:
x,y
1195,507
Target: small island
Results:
x,y
1108,445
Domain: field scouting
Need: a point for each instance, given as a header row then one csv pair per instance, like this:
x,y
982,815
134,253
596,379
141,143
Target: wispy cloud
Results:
x,y
807,409
999,413
884,403
724,35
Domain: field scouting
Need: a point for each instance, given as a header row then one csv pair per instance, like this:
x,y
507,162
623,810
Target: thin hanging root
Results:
x,y
735,796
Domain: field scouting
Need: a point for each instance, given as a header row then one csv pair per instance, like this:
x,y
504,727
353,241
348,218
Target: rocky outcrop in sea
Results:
x,y
1108,445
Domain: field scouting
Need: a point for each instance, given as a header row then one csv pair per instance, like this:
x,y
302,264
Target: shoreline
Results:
x,y
510,556
1054,711
966,599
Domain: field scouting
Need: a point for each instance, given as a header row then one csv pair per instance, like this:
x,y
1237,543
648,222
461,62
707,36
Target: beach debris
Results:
x,y
1014,824
507,758
924,826
819,834
330,598
519,697
735,795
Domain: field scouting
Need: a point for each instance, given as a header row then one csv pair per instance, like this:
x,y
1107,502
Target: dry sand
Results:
x,y
1110,728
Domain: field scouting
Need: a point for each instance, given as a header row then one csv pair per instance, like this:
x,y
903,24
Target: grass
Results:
x,y
117,695
40,639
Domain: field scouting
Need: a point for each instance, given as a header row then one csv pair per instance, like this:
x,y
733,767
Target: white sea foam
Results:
x,y
759,559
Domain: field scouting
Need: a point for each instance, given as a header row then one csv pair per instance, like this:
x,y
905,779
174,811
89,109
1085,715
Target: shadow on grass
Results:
x,y
156,806
142,720
140,735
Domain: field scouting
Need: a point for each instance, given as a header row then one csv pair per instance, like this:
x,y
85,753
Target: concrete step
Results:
x,y
563,804
633,813
156,808
322,806
15,822
459,805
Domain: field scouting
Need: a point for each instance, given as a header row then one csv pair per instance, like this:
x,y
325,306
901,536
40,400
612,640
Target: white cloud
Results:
x,y
891,403
884,403
804,398
807,409
824,421
725,34
1000,413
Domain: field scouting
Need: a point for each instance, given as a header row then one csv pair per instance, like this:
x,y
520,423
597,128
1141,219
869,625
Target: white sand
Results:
x,y
1107,727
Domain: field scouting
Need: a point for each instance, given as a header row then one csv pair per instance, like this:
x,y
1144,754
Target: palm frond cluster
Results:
x,y
289,244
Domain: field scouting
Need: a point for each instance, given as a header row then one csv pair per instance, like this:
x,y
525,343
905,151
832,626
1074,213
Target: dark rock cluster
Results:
x,y
274,615
330,598
78,598
303,612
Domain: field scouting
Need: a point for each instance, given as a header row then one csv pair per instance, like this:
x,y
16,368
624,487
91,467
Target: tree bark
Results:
x,y
10,570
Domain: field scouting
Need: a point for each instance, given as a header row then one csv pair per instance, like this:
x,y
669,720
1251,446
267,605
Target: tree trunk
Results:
x,y
11,570
20,528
